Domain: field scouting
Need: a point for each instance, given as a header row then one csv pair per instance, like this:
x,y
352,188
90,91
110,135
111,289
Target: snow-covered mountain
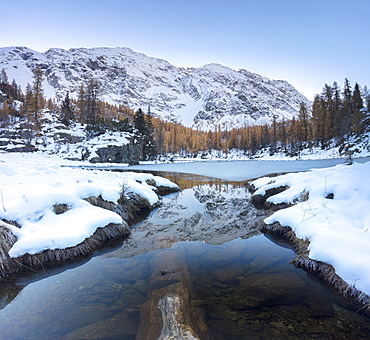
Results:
x,y
200,97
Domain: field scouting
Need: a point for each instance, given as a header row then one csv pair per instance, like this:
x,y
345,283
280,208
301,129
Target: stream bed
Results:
x,y
203,242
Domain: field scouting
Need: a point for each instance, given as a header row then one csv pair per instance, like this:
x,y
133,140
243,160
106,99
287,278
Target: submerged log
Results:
x,y
171,306
171,311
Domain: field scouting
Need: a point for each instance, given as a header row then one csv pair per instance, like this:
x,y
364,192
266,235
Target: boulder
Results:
x,y
129,153
260,201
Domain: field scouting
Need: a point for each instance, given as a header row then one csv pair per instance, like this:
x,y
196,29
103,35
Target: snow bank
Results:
x,y
335,218
32,184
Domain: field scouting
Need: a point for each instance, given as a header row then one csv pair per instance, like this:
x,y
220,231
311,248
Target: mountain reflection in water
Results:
x,y
202,243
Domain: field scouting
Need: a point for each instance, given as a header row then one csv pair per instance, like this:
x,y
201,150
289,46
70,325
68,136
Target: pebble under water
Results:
x,y
205,243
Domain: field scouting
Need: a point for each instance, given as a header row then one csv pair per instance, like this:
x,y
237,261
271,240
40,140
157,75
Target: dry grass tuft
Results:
x,y
321,270
50,258
7,239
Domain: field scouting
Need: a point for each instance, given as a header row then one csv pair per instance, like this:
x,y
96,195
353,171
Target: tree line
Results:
x,y
86,109
335,115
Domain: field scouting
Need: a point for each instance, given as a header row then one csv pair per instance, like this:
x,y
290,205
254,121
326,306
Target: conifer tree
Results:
x,y
366,97
328,108
4,114
318,119
139,121
91,104
357,104
253,145
282,135
67,114
16,91
81,104
37,95
123,125
338,113
294,138
145,132
273,136
347,113
265,136
26,108
4,81
91,108
150,150
158,127
303,122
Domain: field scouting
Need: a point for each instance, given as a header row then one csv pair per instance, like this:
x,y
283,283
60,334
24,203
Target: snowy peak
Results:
x,y
201,97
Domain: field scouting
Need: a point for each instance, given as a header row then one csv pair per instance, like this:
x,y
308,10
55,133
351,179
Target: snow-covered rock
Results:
x,y
201,97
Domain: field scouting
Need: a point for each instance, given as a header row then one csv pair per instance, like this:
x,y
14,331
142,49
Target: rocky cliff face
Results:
x,y
201,97
130,153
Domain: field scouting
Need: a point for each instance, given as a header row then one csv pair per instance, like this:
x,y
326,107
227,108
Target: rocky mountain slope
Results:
x,y
201,97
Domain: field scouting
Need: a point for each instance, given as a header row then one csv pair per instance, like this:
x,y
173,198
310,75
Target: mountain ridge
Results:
x,y
203,97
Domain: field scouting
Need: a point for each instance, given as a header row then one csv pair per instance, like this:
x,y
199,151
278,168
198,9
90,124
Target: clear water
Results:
x,y
203,240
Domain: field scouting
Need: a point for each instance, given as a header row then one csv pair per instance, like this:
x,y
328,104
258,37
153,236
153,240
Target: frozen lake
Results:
x,y
242,170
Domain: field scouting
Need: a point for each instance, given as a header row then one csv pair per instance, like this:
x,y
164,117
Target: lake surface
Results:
x,y
202,243
243,170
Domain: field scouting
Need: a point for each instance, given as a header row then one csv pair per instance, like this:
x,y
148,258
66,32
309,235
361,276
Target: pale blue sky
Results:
x,y
306,42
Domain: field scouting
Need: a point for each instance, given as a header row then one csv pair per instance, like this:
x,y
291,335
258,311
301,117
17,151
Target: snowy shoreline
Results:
x,y
46,207
327,211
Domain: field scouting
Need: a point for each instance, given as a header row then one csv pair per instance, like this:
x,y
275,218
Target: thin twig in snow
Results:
x,y
2,199
323,198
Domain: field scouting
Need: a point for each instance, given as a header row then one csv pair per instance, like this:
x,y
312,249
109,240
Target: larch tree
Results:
x,y
26,108
303,122
91,107
328,108
4,114
318,120
274,136
81,104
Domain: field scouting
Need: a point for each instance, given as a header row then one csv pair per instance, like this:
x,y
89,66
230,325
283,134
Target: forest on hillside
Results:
x,y
336,114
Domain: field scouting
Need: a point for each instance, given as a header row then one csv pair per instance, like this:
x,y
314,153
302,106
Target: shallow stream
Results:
x,y
204,242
